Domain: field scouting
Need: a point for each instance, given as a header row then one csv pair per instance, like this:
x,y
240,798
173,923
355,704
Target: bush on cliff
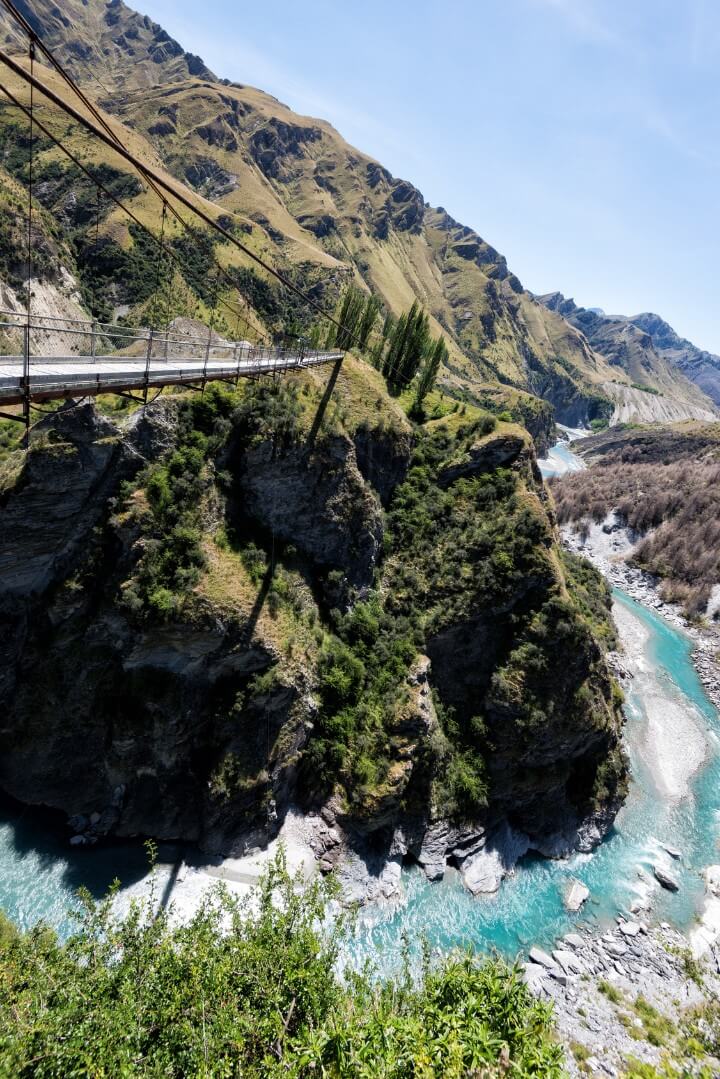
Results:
x,y
235,992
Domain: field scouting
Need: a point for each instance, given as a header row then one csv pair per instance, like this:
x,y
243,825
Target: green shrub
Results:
x,y
614,995
252,991
466,785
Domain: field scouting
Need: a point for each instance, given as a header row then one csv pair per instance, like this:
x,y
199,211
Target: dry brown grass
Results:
x,y
673,506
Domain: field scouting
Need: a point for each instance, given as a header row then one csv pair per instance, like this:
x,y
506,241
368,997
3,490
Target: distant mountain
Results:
x,y
701,367
651,355
318,208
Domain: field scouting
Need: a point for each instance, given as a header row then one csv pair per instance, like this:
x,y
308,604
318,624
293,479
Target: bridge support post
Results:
x,y
147,366
26,380
205,362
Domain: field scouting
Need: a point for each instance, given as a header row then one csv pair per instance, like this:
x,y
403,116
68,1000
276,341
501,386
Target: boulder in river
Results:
x,y
666,879
574,940
484,870
575,895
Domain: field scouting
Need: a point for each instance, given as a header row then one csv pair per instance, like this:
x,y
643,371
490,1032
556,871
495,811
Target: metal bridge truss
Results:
x,y
62,357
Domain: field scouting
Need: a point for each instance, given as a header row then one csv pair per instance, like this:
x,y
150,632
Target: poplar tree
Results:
x,y
416,347
396,348
368,319
437,355
349,317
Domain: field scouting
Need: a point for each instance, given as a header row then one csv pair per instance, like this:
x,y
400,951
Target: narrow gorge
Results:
x,y
359,607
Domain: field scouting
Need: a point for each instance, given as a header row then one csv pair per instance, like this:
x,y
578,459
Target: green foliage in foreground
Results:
x,y
253,993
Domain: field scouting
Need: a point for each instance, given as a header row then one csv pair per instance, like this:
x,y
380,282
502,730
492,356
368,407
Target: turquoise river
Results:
x,y
39,873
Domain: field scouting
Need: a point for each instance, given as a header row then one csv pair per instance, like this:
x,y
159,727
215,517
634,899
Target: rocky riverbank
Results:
x,y
634,993
607,546
637,992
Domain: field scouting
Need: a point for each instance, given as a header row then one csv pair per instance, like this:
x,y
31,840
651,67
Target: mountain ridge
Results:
x,y
647,357
314,205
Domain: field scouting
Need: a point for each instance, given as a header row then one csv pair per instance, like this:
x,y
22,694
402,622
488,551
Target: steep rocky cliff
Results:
x,y
239,601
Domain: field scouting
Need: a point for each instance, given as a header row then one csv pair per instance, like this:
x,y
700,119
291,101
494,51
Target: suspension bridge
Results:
x,y
85,358
44,358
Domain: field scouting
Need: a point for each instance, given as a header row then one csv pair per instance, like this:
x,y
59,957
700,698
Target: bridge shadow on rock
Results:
x,y
322,407
265,586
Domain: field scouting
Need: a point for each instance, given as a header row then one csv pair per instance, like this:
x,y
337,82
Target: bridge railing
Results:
x,y
51,356
54,338
53,335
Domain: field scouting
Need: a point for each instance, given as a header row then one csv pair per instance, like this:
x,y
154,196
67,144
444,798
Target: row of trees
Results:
x,y
402,349
410,350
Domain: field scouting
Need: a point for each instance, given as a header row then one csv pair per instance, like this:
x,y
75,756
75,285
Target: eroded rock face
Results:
x,y
319,501
132,726
59,500
405,207
382,459
485,456
275,144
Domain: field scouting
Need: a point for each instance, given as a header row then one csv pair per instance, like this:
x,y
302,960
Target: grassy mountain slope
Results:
x,y
317,206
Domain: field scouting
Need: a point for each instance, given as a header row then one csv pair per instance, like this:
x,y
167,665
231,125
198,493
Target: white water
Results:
x,y
560,458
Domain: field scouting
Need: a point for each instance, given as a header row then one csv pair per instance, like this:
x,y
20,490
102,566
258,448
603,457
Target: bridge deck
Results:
x,y
73,376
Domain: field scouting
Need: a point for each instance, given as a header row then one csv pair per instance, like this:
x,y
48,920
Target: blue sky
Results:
x,y
579,137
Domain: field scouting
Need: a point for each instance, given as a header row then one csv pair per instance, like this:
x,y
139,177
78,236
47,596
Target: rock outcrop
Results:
x,y
196,717
317,500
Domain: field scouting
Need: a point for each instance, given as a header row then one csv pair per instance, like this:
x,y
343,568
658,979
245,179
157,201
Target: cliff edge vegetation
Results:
x,y
281,595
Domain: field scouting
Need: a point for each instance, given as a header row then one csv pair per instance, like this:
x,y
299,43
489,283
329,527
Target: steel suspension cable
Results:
x,y
76,161
171,190
152,319
102,187
28,292
98,116
211,328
